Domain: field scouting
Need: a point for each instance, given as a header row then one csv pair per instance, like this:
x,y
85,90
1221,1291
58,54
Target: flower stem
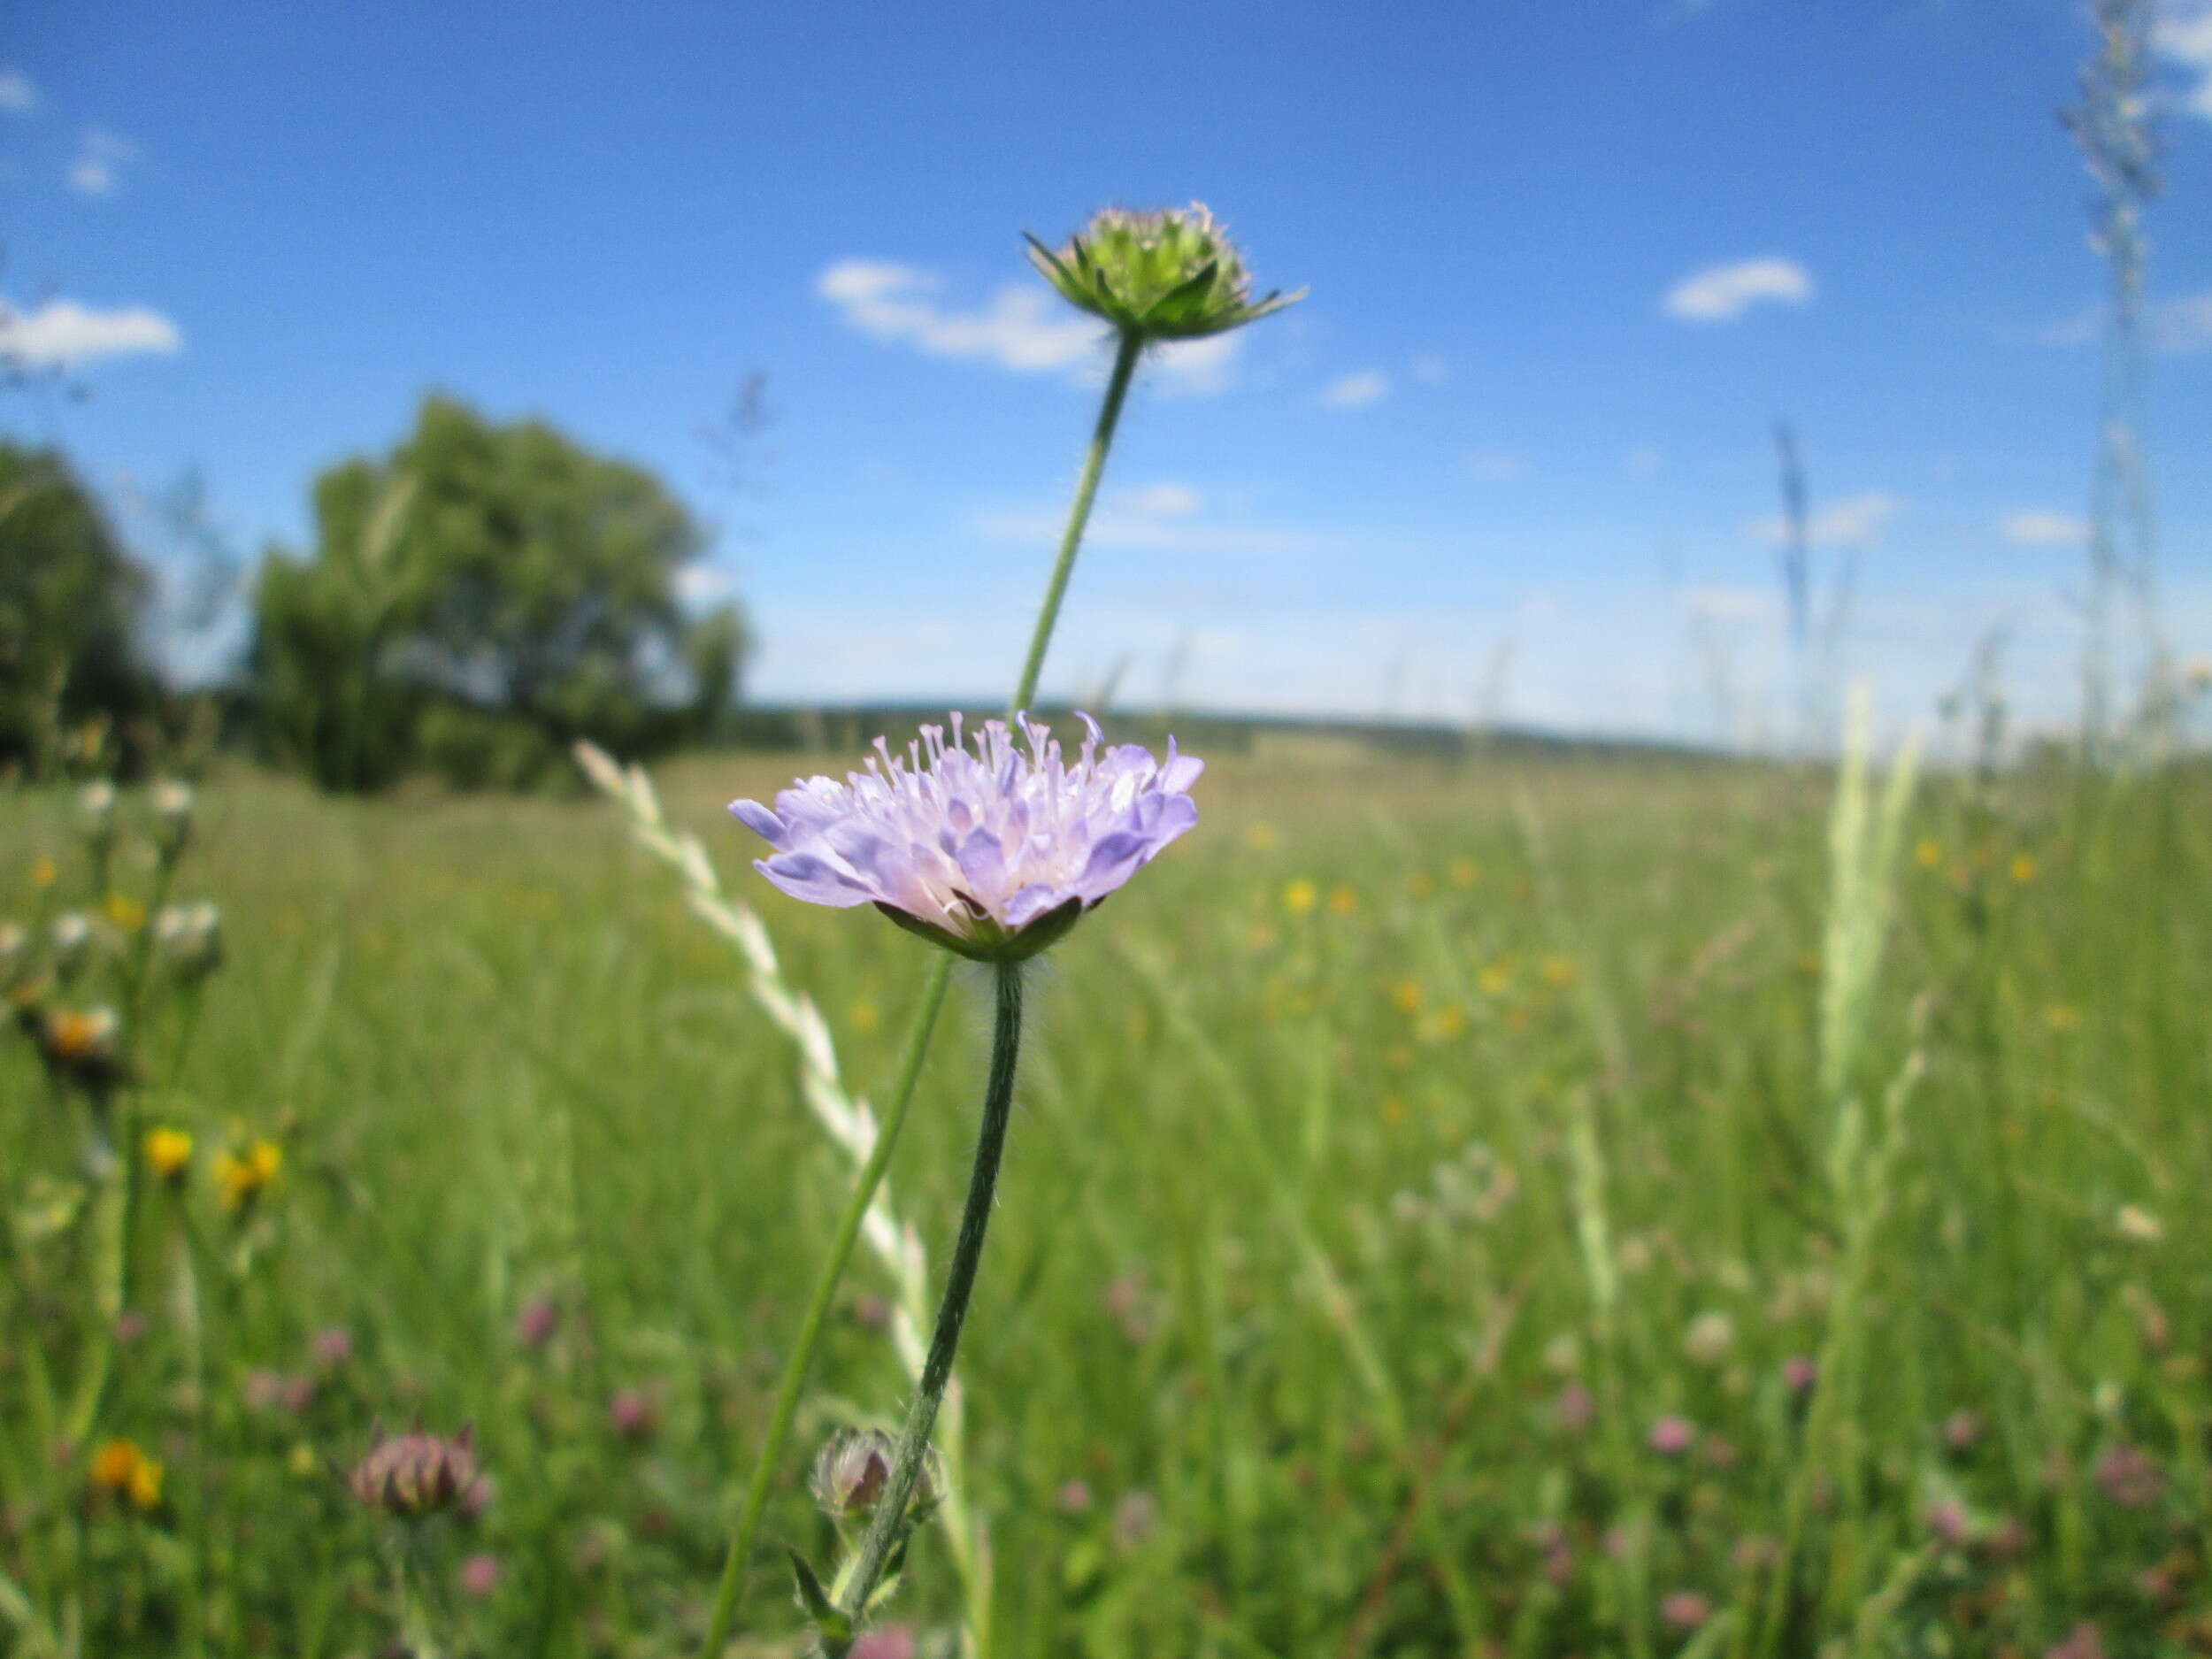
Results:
x,y
912,1451
796,1367
1126,351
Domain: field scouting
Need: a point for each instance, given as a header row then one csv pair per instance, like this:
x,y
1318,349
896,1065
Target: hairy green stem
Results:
x,y
796,1367
1126,351
912,1451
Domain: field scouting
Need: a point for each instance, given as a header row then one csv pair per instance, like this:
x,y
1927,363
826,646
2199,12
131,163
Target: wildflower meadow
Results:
x,y
507,1148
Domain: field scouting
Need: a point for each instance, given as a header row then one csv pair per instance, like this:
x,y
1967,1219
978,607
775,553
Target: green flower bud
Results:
x,y
1170,275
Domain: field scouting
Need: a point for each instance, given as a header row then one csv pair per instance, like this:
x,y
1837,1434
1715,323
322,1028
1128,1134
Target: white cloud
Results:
x,y
1197,368
2181,324
1162,500
18,96
2185,323
1728,604
100,160
1495,466
1721,293
1430,369
1021,329
1157,519
1355,390
2042,527
2184,37
63,331
1854,521
1027,330
701,584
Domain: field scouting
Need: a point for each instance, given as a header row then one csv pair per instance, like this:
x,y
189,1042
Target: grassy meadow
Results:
x,y
1423,1231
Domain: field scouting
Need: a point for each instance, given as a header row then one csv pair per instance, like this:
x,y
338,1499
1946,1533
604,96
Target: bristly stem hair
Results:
x,y
890,1523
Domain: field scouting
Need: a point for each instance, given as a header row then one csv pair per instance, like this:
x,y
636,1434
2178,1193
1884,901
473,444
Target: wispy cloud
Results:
x,y
1357,390
2182,323
1721,293
1164,499
1729,604
1854,521
61,332
1027,330
2183,36
2185,323
18,96
1162,517
2040,527
101,158
1495,466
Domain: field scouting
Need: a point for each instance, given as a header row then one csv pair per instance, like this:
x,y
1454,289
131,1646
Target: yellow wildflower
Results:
x,y
1394,1109
1464,874
1407,995
2022,869
1342,900
862,1014
1497,979
126,912
168,1150
241,1177
43,873
119,1467
1560,971
1299,896
1928,853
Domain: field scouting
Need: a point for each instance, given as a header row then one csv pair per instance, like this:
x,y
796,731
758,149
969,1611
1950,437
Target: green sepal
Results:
x,y
990,942
832,1625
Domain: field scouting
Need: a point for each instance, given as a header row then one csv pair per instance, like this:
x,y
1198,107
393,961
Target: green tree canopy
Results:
x,y
69,600
479,599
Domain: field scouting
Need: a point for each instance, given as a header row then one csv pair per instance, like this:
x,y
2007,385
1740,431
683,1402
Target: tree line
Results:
x,y
474,601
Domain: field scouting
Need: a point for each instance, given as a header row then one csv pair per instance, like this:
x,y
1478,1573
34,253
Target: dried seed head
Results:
x,y
416,1474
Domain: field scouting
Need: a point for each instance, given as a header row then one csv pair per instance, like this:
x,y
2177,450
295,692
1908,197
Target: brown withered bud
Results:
x,y
416,1474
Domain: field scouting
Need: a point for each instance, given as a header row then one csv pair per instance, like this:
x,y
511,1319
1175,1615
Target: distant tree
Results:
x,y
69,599
479,599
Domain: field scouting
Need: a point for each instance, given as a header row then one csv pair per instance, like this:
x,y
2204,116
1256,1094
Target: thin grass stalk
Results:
x,y
1590,1178
1863,840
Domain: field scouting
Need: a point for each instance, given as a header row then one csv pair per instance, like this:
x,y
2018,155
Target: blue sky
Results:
x,y
1567,264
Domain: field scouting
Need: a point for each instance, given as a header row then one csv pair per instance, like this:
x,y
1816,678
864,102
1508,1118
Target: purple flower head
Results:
x,y
993,853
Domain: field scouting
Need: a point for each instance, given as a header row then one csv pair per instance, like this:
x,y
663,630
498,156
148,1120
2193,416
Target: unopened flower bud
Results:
x,y
95,807
190,938
416,1474
172,802
851,1473
1170,275
70,938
